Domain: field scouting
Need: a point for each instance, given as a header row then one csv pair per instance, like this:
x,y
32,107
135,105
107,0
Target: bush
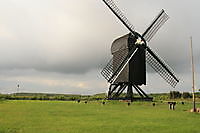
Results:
x,y
186,95
175,94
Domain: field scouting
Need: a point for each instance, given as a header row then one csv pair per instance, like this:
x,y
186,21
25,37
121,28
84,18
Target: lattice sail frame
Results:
x,y
110,72
155,25
161,67
119,14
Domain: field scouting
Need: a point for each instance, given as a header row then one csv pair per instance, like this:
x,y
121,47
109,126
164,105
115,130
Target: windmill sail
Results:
x,y
118,13
155,25
161,67
110,73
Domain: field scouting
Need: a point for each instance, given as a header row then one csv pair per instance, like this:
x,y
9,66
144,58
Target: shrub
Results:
x,y
186,95
175,94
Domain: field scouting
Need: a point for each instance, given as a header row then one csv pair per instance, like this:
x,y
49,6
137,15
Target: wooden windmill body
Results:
x,y
135,70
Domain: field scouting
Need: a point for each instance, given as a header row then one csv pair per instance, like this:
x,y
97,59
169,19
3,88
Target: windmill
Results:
x,y
127,68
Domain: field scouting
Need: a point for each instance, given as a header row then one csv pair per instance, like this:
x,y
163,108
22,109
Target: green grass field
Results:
x,y
114,117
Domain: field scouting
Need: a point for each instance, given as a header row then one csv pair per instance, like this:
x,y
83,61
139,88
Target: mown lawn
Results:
x,y
93,117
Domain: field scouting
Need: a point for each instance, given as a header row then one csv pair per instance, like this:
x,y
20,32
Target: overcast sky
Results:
x,y
60,46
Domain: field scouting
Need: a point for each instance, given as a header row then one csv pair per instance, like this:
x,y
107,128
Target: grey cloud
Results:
x,y
74,37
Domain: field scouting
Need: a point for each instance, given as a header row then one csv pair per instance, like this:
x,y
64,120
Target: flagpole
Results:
x,y
193,76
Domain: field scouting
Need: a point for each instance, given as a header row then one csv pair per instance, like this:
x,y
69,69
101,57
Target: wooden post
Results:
x,y
193,76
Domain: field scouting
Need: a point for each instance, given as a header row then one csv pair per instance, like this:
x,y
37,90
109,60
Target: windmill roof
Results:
x,y
120,43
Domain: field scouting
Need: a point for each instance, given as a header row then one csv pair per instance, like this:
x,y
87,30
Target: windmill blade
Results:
x,y
161,67
118,13
109,69
111,74
155,25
